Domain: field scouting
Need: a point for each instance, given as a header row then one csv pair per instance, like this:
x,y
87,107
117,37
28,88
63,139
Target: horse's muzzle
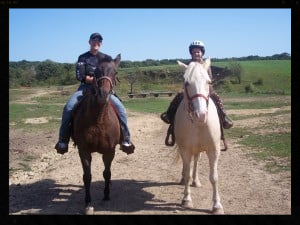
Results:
x,y
199,117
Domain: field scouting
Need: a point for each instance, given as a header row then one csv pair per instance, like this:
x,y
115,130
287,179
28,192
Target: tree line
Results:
x,y
34,73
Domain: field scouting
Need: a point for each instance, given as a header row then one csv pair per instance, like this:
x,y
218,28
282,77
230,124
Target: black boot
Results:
x,y
164,117
62,146
227,123
125,145
127,148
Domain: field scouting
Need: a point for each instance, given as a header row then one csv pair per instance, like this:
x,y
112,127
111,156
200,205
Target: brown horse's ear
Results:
x,y
117,59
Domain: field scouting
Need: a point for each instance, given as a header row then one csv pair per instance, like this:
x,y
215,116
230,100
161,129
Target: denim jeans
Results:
x,y
64,131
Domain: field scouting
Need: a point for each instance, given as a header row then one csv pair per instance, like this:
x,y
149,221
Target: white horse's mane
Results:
x,y
196,71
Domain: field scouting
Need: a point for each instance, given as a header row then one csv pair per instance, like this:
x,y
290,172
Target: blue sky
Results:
x,y
61,35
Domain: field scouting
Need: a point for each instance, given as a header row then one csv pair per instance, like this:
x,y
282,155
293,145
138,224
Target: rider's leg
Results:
x,y
226,121
123,120
169,115
64,130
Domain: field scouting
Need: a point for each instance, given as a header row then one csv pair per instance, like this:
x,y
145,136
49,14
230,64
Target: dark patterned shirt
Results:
x,y
87,63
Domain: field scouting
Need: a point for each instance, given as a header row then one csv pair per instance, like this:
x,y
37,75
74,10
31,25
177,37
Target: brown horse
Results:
x,y
95,126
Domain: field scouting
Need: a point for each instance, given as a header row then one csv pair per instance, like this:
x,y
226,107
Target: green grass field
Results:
x,y
275,76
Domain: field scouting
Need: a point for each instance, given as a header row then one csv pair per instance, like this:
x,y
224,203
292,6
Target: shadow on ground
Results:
x,y
127,196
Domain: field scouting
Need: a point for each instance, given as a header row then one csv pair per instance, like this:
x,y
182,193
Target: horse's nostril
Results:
x,y
200,116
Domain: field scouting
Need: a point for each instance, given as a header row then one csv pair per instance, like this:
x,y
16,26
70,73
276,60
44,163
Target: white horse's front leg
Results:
x,y
213,157
187,199
196,181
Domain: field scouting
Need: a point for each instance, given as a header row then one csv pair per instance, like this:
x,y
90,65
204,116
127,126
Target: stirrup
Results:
x,y
225,145
170,133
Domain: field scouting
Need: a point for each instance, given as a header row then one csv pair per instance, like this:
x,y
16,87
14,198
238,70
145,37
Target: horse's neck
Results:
x,y
212,109
211,106
95,106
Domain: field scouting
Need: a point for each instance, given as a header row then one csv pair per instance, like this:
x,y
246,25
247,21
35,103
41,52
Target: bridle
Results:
x,y
190,98
97,84
110,81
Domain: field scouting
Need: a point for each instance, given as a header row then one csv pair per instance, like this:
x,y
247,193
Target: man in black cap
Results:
x,y
85,68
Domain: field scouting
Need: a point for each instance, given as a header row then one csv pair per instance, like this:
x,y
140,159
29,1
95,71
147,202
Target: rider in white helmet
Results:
x,y
197,50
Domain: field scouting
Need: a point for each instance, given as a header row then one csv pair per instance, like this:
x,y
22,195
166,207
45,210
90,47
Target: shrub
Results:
x,y
258,82
249,88
227,86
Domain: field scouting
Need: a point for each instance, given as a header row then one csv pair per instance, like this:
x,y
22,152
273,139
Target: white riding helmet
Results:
x,y
197,44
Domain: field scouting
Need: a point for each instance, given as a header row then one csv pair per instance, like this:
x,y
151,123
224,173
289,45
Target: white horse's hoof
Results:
x,y
187,204
196,184
218,211
89,210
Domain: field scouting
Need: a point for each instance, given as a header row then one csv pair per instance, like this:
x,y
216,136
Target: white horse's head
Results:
x,y
196,89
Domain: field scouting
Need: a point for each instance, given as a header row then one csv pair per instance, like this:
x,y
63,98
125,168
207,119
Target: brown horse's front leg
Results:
x,y
107,159
86,159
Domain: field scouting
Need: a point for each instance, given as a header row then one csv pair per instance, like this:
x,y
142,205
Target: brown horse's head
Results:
x,y
106,75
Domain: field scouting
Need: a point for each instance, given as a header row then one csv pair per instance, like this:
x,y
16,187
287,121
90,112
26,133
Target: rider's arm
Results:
x,y
80,69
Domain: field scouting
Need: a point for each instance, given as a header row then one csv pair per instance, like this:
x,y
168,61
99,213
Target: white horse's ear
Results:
x,y
182,65
207,63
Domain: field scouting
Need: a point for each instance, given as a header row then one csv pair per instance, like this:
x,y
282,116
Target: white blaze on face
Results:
x,y
200,102
201,111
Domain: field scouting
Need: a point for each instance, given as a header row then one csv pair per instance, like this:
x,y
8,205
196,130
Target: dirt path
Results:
x,y
142,183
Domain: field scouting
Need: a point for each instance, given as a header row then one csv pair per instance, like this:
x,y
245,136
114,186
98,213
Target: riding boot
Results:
x,y
169,115
226,121
62,144
126,145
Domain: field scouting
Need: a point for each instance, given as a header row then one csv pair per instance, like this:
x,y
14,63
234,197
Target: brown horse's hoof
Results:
x,y
128,149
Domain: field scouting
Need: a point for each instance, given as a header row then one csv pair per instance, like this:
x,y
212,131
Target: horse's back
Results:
x,y
194,136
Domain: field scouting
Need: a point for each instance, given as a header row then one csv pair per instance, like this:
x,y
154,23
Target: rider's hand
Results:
x,y
89,79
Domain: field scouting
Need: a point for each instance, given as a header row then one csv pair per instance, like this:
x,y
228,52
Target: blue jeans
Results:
x,y
64,131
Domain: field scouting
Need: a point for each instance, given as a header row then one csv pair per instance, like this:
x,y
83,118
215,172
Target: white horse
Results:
x,y
197,129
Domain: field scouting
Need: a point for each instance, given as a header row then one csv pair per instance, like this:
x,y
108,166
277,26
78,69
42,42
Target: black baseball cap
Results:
x,y
96,37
